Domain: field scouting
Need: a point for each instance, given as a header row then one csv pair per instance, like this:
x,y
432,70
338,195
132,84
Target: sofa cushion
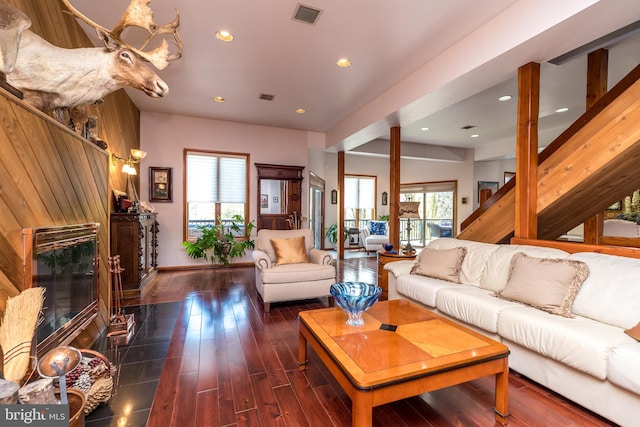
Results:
x,y
611,293
473,305
623,367
474,261
444,264
582,343
378,228
420,288
290,251
549,284
496,270
289,273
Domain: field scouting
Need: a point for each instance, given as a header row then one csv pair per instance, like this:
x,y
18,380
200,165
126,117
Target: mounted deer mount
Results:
x,y
55,79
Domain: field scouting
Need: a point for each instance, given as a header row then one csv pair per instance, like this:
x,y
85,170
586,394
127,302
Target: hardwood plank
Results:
x,y
187,396
164,400
207,409
291,410
207,378
314,412
268,410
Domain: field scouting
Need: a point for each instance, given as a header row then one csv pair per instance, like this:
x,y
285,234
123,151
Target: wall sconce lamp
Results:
x,y
334,197
134,157
385,198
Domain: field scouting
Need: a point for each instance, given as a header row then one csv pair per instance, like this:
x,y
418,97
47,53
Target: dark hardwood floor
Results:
x,y
229,363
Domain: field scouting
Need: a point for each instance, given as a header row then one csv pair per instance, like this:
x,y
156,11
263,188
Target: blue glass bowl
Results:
x,y
355,298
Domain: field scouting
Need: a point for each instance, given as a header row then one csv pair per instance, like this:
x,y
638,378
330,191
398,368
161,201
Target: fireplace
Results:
x,y
63,260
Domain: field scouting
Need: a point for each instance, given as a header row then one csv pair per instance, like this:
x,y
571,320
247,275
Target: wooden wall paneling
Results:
x,y
52,176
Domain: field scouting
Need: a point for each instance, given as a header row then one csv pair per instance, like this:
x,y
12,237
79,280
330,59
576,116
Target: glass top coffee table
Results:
x,y
402,350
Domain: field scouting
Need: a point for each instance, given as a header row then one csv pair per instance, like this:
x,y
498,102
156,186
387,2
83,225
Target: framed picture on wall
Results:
x,y
264,201
160,184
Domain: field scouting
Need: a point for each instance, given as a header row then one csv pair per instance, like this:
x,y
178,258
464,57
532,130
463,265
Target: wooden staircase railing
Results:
x,y
582,172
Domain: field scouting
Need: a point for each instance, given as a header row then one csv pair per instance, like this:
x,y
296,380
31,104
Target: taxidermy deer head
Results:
x,y
54,78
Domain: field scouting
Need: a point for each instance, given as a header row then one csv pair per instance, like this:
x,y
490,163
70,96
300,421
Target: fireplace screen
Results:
x,y
63,260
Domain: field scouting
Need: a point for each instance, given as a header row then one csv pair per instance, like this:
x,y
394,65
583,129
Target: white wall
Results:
x,y
491,171
164,137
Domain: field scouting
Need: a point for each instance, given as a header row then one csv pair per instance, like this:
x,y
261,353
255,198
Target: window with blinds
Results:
x,y
216,188
359,200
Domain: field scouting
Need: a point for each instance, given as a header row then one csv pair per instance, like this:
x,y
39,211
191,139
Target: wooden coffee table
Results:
x,y
402,350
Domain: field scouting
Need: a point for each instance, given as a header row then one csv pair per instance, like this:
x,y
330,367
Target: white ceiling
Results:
x,y
415,63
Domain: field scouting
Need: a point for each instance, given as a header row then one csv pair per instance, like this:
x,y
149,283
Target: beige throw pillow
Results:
x,y
444,264
634,332
290,251
548,284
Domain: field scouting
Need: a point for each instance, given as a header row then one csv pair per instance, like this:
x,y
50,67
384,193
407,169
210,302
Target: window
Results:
x,y
216,189
359,200
437,211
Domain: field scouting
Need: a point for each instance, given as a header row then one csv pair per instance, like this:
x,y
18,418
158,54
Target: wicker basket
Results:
x,y
95,379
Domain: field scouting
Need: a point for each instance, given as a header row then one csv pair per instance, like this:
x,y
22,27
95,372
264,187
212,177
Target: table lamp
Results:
x,y
409,211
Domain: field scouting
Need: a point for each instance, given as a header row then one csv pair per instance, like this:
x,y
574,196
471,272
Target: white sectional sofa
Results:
x,y
587,358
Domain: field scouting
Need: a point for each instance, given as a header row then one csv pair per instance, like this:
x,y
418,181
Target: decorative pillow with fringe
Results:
x,y
444,264
548,284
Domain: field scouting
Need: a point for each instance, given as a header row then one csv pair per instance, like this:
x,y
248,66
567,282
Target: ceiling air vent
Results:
x,y
266,97
467,127
307,14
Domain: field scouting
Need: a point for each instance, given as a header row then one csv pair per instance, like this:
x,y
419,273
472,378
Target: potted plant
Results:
x,y
218,242
332,234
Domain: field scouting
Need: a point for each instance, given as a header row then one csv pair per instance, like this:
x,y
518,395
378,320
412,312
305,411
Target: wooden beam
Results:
x,y
394,186
340,239
527,151
597,74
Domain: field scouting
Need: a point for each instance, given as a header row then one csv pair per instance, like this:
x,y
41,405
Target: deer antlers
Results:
x,y
139,14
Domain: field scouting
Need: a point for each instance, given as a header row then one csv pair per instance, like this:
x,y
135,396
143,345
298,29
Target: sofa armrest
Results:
x,y
318,256
364,233
261,259
399,268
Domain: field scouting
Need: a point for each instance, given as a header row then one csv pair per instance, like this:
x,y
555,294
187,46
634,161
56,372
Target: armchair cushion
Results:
x,y
378,228
290,251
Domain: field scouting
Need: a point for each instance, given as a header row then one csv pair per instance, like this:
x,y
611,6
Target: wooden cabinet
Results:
x,y
279,195
385,258
134,236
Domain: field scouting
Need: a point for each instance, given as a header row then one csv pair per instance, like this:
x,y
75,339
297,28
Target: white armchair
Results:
x,y
281,279
371,241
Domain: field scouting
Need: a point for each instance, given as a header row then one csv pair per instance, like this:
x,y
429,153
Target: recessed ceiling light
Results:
x,y
218,99
343,63
504,98
475,135
224,35
562,110
300,111
424,128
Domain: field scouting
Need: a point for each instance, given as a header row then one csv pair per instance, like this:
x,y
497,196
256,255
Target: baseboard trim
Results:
x,y
205,266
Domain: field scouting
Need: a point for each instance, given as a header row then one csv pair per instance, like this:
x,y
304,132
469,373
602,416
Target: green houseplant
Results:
x,y
218,242
332,234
